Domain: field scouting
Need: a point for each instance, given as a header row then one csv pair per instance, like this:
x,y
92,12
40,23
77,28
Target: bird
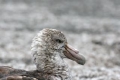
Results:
x,y
49,48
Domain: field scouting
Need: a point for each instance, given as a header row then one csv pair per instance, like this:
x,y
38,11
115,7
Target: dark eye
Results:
x,y
59,41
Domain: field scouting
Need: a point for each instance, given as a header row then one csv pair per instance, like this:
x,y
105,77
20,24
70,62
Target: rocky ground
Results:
x,y
98,39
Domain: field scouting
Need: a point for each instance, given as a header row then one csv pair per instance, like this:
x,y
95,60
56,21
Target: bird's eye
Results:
x,y
59,41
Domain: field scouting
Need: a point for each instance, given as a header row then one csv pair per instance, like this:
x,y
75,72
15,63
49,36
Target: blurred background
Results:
x,y
91,26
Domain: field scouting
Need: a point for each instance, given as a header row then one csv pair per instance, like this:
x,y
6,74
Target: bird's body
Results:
x,y
49,47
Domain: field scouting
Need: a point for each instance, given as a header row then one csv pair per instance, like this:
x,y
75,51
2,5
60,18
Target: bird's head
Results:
x,y
52,40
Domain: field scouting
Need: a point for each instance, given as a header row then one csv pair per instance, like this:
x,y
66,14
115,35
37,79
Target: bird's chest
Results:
x,y
59,75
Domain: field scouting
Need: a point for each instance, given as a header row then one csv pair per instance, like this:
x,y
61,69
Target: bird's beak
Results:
x,y
74,55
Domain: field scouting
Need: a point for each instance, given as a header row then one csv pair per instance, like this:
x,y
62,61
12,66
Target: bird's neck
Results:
x,y
52,65
50,62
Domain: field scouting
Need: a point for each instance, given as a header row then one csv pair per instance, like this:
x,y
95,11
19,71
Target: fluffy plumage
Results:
x,y
49,49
